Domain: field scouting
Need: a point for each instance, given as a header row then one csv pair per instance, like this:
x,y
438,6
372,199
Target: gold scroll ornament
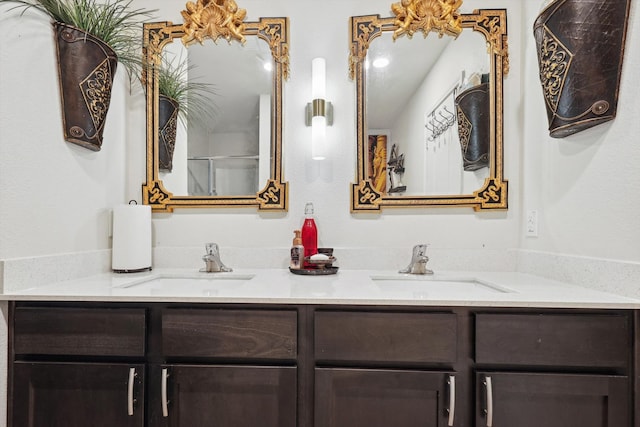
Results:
x,y
440,16
213,19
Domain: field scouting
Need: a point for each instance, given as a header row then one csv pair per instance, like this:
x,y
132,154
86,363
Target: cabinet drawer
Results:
x,y
386,337
79,331
226,333
581,340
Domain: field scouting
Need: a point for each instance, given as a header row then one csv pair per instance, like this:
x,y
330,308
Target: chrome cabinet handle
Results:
x,y
489,390
452,399
163,392
130,384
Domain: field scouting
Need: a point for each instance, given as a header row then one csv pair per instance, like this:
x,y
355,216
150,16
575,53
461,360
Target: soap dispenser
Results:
x,y
297,252
309,233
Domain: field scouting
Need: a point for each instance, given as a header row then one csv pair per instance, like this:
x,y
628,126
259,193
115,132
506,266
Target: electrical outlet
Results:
x,y
531,226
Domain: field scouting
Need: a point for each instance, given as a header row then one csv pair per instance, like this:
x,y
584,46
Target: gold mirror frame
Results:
x,y
492,24
274,196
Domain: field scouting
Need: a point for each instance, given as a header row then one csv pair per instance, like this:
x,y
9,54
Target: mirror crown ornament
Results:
x,y
440,16
213,19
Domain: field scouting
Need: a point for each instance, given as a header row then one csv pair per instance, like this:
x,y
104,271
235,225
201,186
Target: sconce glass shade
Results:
x,y
318,120
318,78
318,138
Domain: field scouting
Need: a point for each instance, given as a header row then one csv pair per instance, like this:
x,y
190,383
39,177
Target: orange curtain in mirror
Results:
x,y
378,162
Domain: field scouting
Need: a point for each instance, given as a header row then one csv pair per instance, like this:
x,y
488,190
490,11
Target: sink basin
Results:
x,y
438,286
204,284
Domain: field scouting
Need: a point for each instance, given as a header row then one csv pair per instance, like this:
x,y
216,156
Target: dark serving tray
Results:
x,y
314,271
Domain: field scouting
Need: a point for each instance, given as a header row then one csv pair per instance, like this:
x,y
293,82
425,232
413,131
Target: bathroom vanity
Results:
x,y
171,361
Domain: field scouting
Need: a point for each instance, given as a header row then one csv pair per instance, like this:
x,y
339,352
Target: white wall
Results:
x,y
586,187
321,29
54,197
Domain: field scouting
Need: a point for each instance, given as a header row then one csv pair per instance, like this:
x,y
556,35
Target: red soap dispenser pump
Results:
x,y
309,233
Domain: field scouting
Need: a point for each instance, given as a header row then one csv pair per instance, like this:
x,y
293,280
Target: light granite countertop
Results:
x,y
349,287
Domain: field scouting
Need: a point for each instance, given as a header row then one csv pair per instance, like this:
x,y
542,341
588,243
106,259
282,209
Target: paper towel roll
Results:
x,y
131,238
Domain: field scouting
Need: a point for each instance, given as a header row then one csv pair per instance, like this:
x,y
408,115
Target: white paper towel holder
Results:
x,y
133,269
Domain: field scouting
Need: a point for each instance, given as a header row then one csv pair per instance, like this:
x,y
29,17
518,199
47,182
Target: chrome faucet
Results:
x,y
419,261
212,260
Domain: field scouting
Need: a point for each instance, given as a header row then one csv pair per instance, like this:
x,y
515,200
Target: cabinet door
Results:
x,y
551,400
383,398
225,396
77,395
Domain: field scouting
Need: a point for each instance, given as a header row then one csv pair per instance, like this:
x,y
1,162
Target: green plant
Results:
x,y
194,98
112,21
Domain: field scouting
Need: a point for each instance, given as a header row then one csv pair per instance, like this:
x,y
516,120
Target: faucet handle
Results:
x,y
419,259
420,250
211,248
212,259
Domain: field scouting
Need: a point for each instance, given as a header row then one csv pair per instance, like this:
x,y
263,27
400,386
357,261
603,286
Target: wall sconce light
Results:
x,y
319,112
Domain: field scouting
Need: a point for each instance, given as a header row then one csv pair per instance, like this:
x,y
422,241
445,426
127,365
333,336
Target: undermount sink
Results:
x,y
439,285
207,284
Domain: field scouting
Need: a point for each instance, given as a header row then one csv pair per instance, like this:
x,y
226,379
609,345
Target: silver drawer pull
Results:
x,y
452,399
489,389
130,384
163,392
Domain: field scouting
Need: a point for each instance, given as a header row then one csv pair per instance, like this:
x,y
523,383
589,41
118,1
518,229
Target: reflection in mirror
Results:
x,y
411,103
234,159
435,103
224,155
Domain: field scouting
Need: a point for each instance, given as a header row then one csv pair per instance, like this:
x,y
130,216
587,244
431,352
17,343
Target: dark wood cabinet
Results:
x,y
385,367
69,367
220,373
225,396
77,394
509,399
382,398
246,365
77,366
582,363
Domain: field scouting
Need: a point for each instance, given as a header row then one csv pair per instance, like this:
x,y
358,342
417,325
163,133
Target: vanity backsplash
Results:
x,y
604,275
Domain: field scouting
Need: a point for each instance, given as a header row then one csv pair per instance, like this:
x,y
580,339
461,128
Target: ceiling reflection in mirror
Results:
x,y
429,111
233,158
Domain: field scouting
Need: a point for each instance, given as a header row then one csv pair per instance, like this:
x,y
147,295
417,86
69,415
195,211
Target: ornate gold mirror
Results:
x,y
429,109
234,159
